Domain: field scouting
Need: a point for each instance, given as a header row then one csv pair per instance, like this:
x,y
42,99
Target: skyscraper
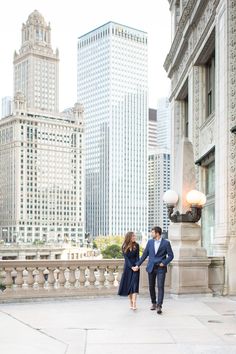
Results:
x,y
36,65
158,184
163,123
112,85
158,164
152,128
41,153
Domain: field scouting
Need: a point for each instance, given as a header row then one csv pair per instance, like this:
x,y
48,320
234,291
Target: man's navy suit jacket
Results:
x,y
164,254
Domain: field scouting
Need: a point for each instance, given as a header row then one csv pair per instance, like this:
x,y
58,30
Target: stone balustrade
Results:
x,y
38,279
27,279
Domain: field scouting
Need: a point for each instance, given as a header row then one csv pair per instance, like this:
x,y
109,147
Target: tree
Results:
x,y
102,242
112,251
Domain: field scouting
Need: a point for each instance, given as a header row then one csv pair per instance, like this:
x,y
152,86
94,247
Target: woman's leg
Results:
x,y
134,298
131,300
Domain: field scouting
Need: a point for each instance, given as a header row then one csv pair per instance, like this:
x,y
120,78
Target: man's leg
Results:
x,y
161,275
152,285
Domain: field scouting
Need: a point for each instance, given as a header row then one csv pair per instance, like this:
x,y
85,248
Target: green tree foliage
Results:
x,y
102,242
112,251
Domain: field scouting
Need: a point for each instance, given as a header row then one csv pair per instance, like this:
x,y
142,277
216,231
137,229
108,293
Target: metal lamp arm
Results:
x,y
192,215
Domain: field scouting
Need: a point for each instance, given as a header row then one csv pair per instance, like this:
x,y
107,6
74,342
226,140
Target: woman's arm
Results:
x,y
137,253
127,260
144,256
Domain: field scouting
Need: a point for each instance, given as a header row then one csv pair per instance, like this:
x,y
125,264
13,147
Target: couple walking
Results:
x,y
159,253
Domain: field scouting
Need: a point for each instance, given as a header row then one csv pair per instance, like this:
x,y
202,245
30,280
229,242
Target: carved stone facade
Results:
x,y
232,112
202,67
36,66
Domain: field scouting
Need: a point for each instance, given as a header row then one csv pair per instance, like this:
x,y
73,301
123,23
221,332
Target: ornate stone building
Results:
x,y
201,64
41,150
36,66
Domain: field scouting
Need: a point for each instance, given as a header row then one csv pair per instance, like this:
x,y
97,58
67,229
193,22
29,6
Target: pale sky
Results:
x,y
71,19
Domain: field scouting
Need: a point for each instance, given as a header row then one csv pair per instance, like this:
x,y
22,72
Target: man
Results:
x,y
160,254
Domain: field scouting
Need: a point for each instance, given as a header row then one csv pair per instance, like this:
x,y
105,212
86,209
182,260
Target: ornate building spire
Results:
x,y
36,65
35,32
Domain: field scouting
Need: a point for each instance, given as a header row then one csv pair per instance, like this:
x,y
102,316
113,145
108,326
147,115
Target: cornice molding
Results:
x,y
191,57
179,33
196,9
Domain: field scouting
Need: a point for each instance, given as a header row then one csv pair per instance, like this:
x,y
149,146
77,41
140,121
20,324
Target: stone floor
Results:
x,y
107,326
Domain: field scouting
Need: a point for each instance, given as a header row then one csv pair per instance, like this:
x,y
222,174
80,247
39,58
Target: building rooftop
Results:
x,y
105,325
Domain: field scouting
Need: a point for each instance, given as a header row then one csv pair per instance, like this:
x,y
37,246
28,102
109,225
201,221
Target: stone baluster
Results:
x,y
8,281
61,277
41,278
56,275
111,277
30,278
92,278
13,275
102,277
51,278
2,277
19,280
72,278
82,278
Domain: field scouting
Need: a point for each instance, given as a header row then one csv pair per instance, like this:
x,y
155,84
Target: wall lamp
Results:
x,y
233,130
195,199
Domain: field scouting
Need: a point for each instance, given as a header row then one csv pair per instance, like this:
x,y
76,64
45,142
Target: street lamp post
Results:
x,y
189,269
233,130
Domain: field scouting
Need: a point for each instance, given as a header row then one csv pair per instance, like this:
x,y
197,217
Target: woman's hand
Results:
x,y
135,268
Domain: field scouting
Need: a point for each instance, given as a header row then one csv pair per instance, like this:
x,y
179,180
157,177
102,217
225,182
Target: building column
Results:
x,y
230,16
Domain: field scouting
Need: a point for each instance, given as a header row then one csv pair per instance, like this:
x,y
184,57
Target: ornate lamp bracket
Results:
x,y
192,215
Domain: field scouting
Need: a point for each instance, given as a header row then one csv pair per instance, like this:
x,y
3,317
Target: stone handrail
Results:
x,y
27,279
22,279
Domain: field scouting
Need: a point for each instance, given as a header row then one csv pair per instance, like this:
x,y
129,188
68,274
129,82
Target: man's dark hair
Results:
x,y
157,229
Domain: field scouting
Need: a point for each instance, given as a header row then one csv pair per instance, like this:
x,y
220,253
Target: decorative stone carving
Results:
x,y
196,119
232,113
207,133
180,55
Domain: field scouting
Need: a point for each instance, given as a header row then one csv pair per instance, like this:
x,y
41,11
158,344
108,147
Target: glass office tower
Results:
x,y
112,85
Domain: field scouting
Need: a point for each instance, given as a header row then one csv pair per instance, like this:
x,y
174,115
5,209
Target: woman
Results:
x,y
129,284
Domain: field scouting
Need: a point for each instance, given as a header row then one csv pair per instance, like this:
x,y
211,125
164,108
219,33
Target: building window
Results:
x,y
210,86
210,179
183,101
208,217
186,125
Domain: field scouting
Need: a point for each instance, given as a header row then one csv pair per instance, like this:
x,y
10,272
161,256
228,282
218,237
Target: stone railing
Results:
x,y
26,279
39,279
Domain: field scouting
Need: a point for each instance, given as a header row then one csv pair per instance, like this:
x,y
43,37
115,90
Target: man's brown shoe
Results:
x,y
153,307
159,310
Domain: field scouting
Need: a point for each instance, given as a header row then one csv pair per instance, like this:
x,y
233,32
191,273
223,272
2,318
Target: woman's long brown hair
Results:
x,y
128,244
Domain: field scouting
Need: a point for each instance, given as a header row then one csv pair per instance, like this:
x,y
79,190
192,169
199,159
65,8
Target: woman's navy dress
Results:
x,y
129,283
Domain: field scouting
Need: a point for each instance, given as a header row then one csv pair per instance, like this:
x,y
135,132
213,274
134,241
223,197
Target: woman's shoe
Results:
x,y
134,306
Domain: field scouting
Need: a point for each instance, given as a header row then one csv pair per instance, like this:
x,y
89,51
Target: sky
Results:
x,y
71,19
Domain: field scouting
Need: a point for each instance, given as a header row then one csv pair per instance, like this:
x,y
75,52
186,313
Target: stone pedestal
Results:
x,y
231,266
189,270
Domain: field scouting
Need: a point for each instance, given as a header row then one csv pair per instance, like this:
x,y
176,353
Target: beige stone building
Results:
x,y
201,64
41,150
36,66
50,251
41,176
